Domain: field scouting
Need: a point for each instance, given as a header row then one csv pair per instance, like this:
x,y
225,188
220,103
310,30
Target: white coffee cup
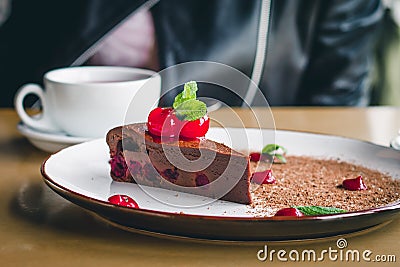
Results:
x,y
87,101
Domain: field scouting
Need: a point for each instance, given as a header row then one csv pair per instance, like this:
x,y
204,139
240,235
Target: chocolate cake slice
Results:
x,y
200,166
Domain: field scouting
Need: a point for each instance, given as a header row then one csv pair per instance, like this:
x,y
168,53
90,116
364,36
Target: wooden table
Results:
x,y
39,228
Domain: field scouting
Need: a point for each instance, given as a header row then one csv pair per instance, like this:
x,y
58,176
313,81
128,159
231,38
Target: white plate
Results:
x,y
50,142
81,174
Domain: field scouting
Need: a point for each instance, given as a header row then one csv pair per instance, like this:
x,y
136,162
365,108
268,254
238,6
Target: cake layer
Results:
x,y
200,166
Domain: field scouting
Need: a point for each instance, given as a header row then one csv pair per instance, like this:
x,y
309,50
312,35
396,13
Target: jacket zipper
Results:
x,y
261,52
261,48
93,48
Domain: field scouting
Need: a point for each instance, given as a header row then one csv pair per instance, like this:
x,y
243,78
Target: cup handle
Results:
x,y
42,122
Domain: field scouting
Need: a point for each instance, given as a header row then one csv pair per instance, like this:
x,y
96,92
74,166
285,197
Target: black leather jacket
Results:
x,y
319,52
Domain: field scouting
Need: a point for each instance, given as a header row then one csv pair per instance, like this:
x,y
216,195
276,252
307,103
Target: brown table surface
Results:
x,y
39,228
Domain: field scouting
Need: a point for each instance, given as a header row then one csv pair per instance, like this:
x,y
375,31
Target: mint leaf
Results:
x,y
191,110
318,210
186,106
188,93
275,150
281,158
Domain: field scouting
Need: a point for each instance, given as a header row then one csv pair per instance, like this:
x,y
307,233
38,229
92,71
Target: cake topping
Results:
x,y
196,128
123,200
186,106
163,122
354,184
187,118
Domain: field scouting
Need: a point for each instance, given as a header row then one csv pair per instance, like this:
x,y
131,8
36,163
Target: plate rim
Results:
x,y
392,207
251,242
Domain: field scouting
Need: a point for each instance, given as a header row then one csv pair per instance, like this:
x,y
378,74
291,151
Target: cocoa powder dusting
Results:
x,y
306,181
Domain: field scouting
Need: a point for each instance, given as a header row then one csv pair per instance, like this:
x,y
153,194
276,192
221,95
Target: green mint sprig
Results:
x,y
188,93
318,210
191,110
274,150
186,106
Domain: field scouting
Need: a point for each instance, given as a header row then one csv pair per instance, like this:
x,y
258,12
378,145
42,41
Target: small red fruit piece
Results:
x,y
264,177
170,175
255,156
163,122
354,184
289,212
123,200
135,168
201,180
196,128
118,166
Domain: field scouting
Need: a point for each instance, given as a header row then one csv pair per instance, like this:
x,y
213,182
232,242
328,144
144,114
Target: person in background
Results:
x,y
299,52
387,79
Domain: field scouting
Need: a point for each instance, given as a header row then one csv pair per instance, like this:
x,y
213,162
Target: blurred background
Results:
x,y
387,74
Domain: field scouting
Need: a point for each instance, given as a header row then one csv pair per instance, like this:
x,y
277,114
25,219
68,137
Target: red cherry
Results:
x,y
255,156
354,184
163,122
123,200
196,128
264,177
289,212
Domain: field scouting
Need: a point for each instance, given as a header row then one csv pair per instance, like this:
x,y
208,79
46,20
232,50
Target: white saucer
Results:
x,y
49,142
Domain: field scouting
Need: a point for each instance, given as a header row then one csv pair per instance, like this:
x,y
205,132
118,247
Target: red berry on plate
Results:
x,y
354,184
264,177
255,156
163,122
289,212
196,128
123,200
